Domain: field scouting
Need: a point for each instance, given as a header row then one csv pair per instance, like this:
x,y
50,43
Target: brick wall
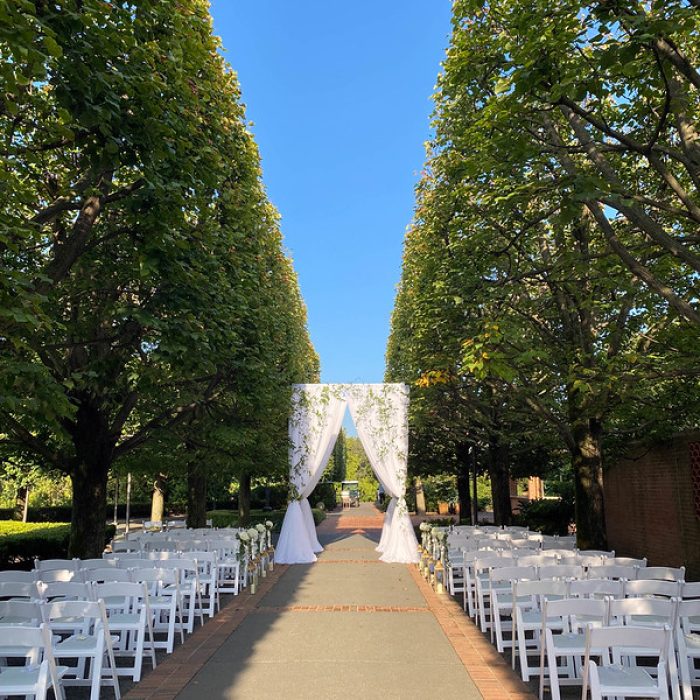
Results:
x,y
652,503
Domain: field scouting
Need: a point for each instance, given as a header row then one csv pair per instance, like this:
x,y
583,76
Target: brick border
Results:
x,y
343,608
179,668
492,675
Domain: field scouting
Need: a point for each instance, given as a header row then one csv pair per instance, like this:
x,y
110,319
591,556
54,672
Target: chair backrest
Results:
x,y
512,573
19,612
620,640
155,575
18,589
491,562
667,589
107,574
539,589
88,616
125,546
51,564
628,561
542,559
124,597
576,612
596,588
160,546
613,571
118,556
101,563
597,553
574,571
141,563
66,590
18,576
662,573
691,589
643,611
51,575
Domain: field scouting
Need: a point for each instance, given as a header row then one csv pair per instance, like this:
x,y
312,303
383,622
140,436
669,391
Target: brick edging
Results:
x,y
492,676
171,675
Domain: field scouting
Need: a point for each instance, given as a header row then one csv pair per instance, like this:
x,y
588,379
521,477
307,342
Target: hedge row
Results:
x,y
21,543
229,518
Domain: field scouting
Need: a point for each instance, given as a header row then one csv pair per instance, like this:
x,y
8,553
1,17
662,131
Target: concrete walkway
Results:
x,y
348,626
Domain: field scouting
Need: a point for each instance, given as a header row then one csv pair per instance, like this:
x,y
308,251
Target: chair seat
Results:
x,y
616,676
15,620
117,620
15,678
75,643
571,641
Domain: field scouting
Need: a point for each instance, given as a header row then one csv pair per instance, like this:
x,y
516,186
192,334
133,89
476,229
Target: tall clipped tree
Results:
x,y
132,238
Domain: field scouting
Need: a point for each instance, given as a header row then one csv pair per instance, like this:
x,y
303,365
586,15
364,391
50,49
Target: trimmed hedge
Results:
x,y
21,543
229,518
324,493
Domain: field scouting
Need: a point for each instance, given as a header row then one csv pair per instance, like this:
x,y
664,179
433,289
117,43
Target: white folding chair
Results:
x,y
108,574
597,588
65,590
501,600
165,603
690,590
20,612
53,564
207,563
18,590
85,637
539,559
125,546
628,561
560,571
189,588
569,645
662,573
613,571
527,600
653,587
688,645
619,675
39,672
100,563
130,620
17,576
481,569
53,575
228,566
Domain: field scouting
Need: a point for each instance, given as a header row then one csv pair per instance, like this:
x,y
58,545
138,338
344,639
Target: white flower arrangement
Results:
x,y
244,537
424,527
269,524
260,528
252,534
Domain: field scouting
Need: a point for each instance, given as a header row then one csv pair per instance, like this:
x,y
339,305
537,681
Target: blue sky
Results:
x,y
339,93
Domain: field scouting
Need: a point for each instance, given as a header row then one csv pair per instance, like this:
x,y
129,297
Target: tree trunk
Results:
x,y
420,496
94,450
587,458
463,491
158,498
475,493
244,499
499,472
21,504
196,496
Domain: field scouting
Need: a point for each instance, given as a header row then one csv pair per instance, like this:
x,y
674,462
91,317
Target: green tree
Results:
x,y
136,239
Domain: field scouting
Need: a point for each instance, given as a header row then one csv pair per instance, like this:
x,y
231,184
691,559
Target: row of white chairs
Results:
x,y
505,593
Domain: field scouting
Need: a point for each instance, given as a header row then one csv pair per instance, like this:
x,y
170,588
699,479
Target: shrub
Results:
x,y
325,491
549,516
21,543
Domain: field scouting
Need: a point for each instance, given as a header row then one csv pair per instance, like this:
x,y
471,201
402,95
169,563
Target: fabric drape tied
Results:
x,y
380,413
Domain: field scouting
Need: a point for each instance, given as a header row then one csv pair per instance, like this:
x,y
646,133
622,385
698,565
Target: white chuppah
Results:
x,y
380,414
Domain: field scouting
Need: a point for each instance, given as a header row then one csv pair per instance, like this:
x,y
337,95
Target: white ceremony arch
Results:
x,y
380,414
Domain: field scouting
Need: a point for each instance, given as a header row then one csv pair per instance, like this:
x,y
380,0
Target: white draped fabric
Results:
x,y
380,413
317,413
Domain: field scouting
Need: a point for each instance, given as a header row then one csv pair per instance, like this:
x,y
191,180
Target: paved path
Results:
x,y
348,626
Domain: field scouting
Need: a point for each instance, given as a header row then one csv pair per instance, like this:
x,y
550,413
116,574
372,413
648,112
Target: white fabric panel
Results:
x,y
317,414
380,414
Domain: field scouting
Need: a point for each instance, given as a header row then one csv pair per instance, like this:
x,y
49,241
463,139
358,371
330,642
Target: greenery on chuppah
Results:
x,y
149,315
548,304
